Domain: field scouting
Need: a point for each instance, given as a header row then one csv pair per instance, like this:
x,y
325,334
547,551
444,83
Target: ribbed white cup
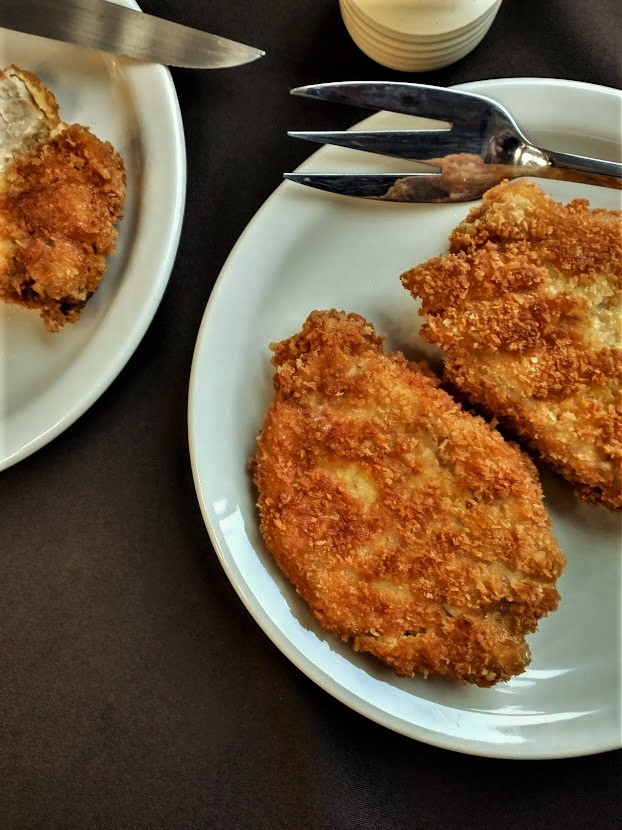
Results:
x,y
418,47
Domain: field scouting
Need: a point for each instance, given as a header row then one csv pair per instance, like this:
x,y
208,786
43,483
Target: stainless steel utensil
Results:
x,y
482,146
99,24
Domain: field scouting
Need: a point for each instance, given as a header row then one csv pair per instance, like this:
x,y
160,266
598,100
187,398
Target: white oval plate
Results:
x,y
304,250
48,380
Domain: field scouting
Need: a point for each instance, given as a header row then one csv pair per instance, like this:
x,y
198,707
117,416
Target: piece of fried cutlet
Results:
x,y
411,528
62,191
527,308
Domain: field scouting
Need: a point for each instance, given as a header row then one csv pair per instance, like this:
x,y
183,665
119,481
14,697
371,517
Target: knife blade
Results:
x,y
98,24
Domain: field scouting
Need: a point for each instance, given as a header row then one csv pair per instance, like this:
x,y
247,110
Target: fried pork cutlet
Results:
x,y
410,527
62,190
527,307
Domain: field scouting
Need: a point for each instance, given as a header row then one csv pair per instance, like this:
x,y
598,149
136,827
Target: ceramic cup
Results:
x,y
418,35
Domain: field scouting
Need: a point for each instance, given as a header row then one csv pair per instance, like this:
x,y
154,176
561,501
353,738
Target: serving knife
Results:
x,y
99,24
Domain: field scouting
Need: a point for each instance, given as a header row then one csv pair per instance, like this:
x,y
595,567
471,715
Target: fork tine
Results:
x,y
412,99
417,145
391,187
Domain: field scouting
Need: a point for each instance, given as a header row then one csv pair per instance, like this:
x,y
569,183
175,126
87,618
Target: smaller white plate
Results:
x,y
306,249
49,380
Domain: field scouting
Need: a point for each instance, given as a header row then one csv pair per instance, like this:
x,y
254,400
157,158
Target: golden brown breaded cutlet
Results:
x,y
62,190
410,527
527,307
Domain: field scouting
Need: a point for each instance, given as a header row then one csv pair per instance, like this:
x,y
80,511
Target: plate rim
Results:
x,y
259,614
112,365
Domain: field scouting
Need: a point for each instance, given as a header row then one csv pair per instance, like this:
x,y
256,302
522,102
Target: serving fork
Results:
x,y
482,146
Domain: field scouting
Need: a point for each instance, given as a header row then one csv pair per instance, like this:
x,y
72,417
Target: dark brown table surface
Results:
x,y
135,689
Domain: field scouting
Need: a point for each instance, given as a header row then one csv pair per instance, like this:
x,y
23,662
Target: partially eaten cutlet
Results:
x,y
527,308
410,527
62,190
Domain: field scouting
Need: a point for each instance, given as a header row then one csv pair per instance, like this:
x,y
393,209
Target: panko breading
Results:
x,y
527,307
410,527
62,190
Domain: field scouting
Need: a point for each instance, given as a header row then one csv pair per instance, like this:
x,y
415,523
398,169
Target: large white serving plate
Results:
x,y
305,250
49,380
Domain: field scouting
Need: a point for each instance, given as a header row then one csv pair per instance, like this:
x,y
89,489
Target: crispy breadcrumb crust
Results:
x,y
527,307
411,528
59,203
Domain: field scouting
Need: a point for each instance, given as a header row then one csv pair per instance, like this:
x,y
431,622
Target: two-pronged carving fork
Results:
x,y
482,146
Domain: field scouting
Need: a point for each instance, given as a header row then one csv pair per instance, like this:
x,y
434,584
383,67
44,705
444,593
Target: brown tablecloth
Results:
x,y
135,689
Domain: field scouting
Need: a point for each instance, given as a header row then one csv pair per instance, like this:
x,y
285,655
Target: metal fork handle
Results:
x,y
581,169
583,164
